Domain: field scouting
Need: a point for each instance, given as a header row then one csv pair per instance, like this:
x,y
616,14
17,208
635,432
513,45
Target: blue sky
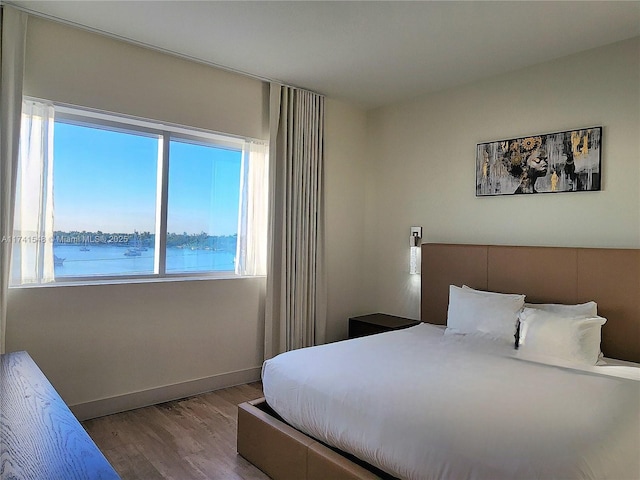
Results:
x,y
208,177
106,180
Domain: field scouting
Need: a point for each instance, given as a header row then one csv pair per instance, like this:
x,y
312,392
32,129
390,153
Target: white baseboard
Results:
x,y
130,401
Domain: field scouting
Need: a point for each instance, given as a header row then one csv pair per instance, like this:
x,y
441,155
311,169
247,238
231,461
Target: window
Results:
x,y
108,197
203,197
104,196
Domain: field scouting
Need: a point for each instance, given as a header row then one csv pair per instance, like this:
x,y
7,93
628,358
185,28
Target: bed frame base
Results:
x,y
284,453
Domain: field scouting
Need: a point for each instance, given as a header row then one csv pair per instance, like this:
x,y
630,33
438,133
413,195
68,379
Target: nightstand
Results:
x,y
377,323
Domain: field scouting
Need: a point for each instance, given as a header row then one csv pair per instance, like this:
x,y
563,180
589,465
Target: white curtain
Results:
x,y
254,197
295,310
33,259
14,27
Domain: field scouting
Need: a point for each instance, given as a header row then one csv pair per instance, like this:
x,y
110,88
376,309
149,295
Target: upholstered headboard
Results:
x,y
610,277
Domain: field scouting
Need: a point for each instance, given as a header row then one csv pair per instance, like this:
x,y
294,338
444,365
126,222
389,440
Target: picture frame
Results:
x,y
568,161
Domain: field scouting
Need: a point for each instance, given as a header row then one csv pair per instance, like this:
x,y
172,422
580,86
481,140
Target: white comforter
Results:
x,y
422,405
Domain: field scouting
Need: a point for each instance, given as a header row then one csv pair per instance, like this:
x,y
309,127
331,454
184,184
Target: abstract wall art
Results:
x,y
550,163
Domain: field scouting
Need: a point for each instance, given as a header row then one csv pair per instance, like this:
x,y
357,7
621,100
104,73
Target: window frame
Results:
x,y
165,132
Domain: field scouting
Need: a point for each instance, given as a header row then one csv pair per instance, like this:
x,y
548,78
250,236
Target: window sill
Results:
x,y
131,280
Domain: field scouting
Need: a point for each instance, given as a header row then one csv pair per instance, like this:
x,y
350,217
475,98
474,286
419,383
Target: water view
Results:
x,y
106,199
110,260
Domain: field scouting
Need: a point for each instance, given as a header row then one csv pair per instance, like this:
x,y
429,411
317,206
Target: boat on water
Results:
x,y
58,261
137,248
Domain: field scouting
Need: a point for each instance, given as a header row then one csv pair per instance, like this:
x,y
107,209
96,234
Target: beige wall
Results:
x,y
345,162
101,341
423,165
74,66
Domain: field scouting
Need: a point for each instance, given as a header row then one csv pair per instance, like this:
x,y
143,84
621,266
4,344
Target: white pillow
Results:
x,y
492,314
582,310
589,309
574,339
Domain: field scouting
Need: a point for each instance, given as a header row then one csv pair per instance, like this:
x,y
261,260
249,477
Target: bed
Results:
x,y
430,402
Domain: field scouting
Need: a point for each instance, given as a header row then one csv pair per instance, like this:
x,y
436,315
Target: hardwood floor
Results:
x,y
193,438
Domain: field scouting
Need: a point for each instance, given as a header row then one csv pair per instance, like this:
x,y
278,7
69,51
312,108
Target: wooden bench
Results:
x,y
40,438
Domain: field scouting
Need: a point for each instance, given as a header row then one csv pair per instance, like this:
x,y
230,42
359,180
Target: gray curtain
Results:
x,y
14,28
295,315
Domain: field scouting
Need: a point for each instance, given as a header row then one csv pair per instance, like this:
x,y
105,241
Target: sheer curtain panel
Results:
x,y
254,198
295,314
14,28
33,259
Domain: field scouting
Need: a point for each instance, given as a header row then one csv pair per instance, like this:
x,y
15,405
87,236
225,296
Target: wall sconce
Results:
x,y
414,253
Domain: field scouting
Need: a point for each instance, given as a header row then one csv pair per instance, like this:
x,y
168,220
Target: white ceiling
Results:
x,y
371,53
